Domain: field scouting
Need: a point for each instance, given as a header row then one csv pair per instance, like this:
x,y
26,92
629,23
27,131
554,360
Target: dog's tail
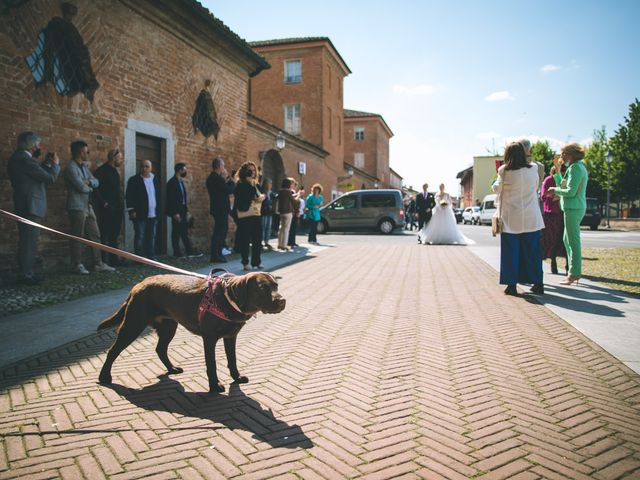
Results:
x,y
116,318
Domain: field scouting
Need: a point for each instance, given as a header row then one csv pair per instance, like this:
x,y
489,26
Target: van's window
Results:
x,y
488,205
345,202
377,201
592,204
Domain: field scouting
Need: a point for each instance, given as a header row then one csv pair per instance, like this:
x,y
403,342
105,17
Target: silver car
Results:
x,y
380,210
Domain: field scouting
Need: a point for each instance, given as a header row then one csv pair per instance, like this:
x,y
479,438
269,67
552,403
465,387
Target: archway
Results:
x,y
273,168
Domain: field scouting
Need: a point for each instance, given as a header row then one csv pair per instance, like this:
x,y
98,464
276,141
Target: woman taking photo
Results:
x,y
312,207
573,202
248,202
517,186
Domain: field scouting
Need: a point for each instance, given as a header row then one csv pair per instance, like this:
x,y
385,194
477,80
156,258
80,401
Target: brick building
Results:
x,y
302,95
152,60
366,146
476,181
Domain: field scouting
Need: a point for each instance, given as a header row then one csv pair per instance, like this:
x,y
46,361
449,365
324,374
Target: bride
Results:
x,y
442,228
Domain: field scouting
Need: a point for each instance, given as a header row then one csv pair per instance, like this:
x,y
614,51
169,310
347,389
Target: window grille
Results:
x,y
358,133
205,118
62,58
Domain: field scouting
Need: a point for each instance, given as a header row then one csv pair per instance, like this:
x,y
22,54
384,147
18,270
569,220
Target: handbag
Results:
x,y
496,221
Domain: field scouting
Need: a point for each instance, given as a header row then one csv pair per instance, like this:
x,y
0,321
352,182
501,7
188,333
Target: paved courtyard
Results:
x,y
391,360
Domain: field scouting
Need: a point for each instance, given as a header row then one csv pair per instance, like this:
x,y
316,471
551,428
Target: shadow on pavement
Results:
x,y
579,300
236,411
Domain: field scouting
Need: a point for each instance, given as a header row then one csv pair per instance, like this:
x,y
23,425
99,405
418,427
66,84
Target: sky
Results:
x,y
457,79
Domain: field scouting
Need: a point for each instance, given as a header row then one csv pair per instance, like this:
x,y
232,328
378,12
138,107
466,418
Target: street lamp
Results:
x,y
280,141
609,159
349,175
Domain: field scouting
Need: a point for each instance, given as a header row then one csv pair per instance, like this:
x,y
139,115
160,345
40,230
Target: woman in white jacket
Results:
x,y
517,186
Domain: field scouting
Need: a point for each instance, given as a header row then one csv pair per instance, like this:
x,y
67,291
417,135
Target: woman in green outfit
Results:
x,y
573,202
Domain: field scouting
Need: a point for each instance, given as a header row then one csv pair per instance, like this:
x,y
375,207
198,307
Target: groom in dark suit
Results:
x,y
424,203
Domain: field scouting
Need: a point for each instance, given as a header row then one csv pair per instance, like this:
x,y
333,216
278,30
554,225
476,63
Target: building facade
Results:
x,y
151,61
366,145
302,95
476,180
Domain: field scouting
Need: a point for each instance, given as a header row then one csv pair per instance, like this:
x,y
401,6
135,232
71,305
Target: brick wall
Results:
x,y
320,94
146,73
375,147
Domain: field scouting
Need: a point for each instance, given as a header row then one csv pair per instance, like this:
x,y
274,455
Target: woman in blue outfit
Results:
x,y
312,208
517,186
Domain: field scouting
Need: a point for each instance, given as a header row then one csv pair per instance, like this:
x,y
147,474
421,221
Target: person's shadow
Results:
x,y
235,411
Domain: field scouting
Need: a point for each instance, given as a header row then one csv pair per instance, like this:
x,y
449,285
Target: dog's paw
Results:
x,y
219,388
175,370
241,379
105,379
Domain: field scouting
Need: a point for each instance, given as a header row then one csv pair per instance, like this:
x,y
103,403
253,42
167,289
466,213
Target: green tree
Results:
x,y
596,165
625,145
543,153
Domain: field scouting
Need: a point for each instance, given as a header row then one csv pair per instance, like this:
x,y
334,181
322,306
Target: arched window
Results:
x,y
62,58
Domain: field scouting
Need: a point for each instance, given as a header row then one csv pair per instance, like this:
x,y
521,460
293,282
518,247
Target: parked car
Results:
x,y
471,215
592,216
487,209
458,213
380,210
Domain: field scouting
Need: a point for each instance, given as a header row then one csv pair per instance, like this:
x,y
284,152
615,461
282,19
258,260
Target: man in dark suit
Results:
x,y
176,209
143,199
108,203
30,180
219,186
425,201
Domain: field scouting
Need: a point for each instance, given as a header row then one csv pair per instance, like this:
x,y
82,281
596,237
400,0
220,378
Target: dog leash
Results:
x,y
104,248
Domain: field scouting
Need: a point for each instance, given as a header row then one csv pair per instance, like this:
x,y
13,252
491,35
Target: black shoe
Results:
x,y
194,254
537,289
511,290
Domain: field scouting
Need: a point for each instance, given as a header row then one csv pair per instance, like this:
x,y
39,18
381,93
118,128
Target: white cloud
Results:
x,y
499,96
550,67
487,135
415,90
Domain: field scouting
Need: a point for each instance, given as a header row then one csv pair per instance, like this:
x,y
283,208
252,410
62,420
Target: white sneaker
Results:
x,y
226,251
81,270
103,267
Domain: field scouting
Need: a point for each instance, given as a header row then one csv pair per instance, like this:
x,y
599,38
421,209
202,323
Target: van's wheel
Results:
x,y
322,226
386,226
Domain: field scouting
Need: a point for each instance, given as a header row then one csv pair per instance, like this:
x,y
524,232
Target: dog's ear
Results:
x,y
239,291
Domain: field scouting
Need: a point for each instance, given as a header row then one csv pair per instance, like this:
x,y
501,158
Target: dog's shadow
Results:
x,y
235,411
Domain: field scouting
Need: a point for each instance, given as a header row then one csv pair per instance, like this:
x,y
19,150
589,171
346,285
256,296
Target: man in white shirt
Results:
x,y
142,195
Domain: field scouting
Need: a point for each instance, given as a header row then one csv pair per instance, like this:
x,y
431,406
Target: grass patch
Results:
x,y
617,268
66,286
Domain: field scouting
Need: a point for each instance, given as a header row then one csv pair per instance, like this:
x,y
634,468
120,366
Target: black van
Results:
x,y
380,210
592,217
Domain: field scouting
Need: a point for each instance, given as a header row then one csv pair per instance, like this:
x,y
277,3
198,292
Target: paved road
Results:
x,y
392,360
590,239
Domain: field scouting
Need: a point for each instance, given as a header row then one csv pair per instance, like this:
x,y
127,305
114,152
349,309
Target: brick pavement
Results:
x,y
408,363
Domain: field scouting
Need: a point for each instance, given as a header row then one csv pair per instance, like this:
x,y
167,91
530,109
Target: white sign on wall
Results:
x,y
302,168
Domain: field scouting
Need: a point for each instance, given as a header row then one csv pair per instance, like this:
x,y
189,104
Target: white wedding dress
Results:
x,y
442,228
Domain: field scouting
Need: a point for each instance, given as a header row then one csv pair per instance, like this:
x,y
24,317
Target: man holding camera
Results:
x,y
30,180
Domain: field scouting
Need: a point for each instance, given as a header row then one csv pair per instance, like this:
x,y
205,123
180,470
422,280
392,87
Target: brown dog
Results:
x,y
163,301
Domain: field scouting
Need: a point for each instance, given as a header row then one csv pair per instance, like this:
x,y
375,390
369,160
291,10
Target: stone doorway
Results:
x,y
273,168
